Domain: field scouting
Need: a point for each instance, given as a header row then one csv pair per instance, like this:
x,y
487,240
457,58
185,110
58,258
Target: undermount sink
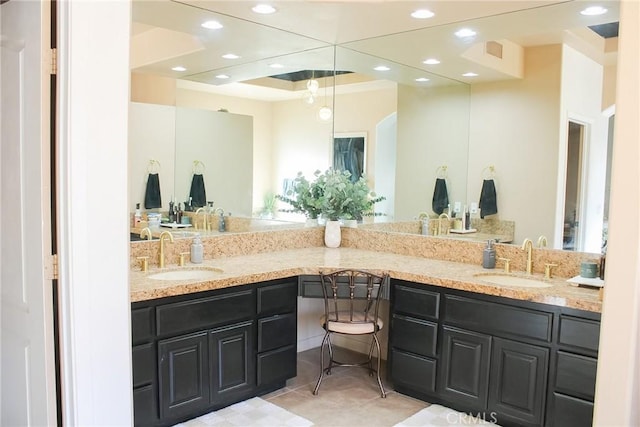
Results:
x,y
511,280
187,274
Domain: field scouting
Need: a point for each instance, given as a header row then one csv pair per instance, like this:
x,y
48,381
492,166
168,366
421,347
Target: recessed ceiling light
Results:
x,y
222,76
594,11
263,9
422,79
470,74
179,68
276,65
212,25
230,56
382,68
465,32
422,14
431,61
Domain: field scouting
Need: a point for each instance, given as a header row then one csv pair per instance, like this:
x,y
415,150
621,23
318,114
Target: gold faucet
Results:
x,y
204,222
162,236
527,245
444,215
146,232
542,242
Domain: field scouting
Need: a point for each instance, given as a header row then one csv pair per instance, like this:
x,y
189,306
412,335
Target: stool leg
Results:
x,y
324,340
382,392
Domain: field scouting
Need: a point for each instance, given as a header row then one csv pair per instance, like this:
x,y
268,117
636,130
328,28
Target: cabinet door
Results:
x,y
184,373
233,362
464,368
518,381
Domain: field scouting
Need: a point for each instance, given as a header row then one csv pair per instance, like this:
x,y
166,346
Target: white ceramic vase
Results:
x,y
332,234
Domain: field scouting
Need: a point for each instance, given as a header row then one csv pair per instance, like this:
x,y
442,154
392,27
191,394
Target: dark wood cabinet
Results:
x,y
464,367
192,354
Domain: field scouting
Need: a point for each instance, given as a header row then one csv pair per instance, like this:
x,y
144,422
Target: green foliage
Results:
x,y
333,195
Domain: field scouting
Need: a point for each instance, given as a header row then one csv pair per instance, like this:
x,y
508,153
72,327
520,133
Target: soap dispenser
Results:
x,y
197,250
489,255
222,225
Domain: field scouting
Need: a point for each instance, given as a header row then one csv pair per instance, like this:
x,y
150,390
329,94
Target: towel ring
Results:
x,y
441,172
489,172
198,166
153,166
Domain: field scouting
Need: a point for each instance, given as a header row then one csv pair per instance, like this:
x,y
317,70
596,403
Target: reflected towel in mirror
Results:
x,y
440,196
198,194
488,199
152,193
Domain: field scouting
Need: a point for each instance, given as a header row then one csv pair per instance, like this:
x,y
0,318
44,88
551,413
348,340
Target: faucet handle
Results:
x,y
144,263
181,260
507,265
547,270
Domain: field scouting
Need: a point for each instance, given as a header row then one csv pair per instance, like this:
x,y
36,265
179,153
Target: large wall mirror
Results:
x,y
501,95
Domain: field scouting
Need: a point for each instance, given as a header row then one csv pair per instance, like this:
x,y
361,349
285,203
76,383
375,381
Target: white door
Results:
x,y
27,359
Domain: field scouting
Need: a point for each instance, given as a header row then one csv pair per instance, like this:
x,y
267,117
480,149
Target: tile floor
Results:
x,y
348,397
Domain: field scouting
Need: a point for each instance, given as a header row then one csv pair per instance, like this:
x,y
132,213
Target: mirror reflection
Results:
x,y
533,76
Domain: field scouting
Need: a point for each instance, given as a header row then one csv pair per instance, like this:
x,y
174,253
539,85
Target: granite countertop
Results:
x,y
246,269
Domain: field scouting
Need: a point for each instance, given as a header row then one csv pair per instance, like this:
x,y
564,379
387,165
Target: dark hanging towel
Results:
x,y
488,199
152,193
440,196
198,194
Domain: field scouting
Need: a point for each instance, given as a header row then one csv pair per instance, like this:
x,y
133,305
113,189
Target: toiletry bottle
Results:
x,y
197,250
489,255
172,217
222,226
137,217
179,214
603,260
467,218
463,217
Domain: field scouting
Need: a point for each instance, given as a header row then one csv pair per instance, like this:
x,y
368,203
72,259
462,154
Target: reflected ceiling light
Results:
x,y
422,14
465,32
313,85
324,113
263,9
230,56
179,68
382,68
594,11
212,25
276,65
470,74
422,79
222,76
431,61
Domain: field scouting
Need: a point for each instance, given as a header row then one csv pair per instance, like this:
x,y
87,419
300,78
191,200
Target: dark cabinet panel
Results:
x,y
580,334
498,319
143,362
518,381
145,409
277,365
570,412
464,367
414,335
415,372
277,298
417,302
142,325
184,373
276,331
232,359
205,312
576,375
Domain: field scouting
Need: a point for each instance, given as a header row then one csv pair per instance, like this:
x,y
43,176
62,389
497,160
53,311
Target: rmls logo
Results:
x,y
480,418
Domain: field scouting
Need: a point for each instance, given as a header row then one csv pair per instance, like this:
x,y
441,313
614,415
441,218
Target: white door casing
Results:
x,y
28,373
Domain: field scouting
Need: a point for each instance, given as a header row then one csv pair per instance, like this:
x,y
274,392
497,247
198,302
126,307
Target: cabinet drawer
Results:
x,y
576,375
570,412
145,410
415,372
277,365
277,298
276,331
144,364
579,333
414,335
203,313
417,302
142,322
498,319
